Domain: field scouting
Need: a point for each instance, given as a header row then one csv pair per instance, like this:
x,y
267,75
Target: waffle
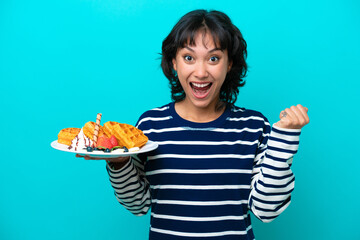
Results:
x,y
66,135
89,128
127,135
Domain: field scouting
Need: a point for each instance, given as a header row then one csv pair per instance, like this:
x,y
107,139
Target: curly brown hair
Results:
x,y
224,33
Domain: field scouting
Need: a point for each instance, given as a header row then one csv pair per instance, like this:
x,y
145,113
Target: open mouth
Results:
x,y
200,90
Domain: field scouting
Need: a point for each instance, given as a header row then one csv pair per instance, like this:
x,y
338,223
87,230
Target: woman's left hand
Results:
x,y
294,117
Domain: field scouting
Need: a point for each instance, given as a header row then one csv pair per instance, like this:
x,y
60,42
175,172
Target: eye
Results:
x,y
188,58
214,59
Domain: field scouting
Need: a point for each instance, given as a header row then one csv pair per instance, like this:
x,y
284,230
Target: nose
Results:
x,y
201,70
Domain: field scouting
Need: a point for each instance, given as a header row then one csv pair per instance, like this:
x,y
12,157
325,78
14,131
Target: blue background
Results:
x,y
62,62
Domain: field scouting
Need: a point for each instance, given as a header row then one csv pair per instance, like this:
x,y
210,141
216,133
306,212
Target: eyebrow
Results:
x,y
212,50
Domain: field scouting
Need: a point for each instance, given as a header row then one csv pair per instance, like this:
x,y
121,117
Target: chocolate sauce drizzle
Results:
x,y
86,141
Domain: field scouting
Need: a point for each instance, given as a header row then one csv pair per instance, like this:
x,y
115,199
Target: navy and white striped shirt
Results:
x,y
204,178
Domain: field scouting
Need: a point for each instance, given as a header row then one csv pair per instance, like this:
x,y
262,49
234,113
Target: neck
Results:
x,y
199,115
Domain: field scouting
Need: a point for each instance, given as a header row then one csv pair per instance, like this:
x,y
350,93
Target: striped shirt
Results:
x,y
203,179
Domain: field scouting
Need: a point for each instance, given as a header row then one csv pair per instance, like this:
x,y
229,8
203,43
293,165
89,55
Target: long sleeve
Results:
x,y
272,179
131,187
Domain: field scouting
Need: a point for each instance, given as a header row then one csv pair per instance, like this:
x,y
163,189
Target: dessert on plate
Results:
x,y
113,136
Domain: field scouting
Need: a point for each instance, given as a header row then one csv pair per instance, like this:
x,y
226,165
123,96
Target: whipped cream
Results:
x,y
134,149
81,141
119,150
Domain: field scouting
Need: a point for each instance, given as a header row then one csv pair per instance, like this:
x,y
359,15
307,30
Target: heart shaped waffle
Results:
x,y
127,135
89,128
66,135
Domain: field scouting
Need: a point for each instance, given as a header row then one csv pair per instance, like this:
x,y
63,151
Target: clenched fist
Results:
x,y
294,117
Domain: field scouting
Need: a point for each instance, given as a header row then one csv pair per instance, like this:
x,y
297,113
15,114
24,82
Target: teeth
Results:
x,y
199,85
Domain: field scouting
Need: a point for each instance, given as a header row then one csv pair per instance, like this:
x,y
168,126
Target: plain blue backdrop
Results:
x,y
62,62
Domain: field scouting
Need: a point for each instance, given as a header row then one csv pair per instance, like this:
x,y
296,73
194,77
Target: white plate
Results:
x,y
149,146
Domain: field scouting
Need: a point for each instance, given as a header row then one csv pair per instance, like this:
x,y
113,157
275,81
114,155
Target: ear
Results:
x,y
174,63
229,67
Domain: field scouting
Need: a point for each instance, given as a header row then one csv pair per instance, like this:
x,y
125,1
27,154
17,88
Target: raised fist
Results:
x,y
294,117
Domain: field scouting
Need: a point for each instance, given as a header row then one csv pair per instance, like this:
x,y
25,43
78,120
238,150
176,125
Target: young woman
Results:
x,y
215,161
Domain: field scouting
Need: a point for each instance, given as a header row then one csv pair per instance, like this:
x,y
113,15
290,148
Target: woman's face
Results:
x,y
201,69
